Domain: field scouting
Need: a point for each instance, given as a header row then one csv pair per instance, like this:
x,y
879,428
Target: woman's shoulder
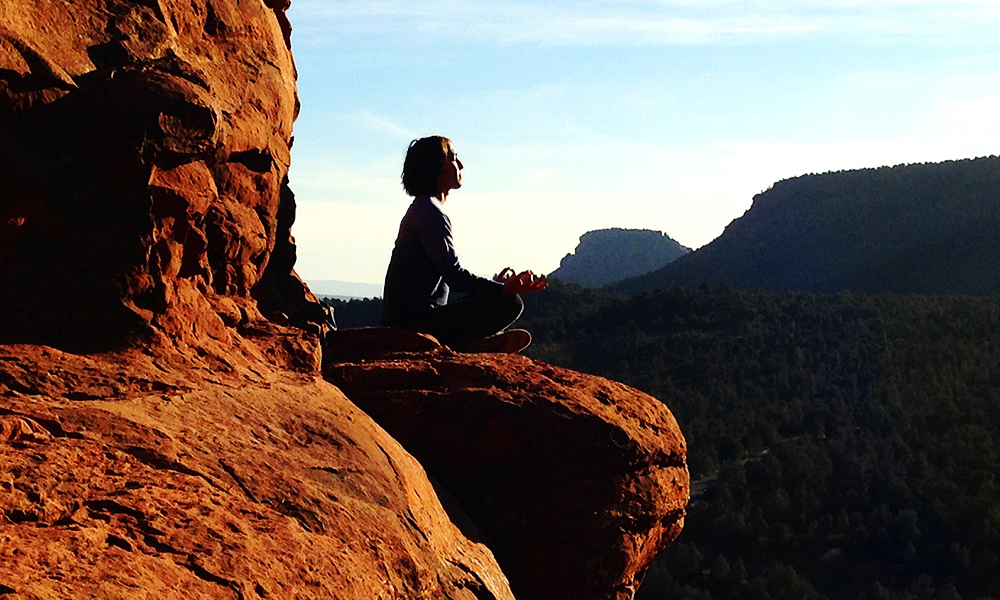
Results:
x,y
428,202
427,207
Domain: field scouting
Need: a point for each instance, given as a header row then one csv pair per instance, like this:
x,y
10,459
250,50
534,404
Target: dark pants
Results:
x,y
455,324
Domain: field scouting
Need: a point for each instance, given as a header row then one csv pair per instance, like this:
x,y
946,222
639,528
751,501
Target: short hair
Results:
x,y
424,163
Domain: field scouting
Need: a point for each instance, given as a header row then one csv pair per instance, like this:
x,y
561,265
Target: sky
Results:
x,y
577,115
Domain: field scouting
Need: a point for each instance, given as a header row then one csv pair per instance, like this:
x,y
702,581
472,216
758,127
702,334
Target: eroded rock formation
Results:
x,y
165,430
576,482
144,151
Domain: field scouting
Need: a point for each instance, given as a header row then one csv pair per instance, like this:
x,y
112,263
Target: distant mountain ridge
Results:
x,y
344,289
605,256
931,228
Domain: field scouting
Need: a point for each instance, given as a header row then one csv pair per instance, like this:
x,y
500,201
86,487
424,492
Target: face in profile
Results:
x,y
451,174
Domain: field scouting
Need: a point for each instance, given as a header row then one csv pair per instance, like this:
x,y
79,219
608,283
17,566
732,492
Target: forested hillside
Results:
x,y
841,445
923,228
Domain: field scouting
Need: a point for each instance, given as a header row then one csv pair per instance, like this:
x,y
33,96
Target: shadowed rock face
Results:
x,y
144,150
575,482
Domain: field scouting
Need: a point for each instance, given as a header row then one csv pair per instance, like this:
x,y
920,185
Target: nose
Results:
x,y
460,165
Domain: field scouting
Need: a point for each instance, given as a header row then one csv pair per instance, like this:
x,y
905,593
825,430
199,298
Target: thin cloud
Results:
x,y
644,31
381,124
540,175
643,22
319,180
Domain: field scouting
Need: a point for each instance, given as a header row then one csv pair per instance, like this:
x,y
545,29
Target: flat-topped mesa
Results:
x,y
144,162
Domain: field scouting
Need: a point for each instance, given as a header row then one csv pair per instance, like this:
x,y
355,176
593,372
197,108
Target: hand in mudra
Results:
x,y
524,282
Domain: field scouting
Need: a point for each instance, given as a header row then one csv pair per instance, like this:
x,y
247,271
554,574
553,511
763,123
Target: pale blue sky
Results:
x,y
587,114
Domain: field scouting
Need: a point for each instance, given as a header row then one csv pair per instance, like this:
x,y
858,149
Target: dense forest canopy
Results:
x,y
841,445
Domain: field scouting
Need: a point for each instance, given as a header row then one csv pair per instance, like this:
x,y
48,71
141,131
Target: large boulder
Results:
x,y
575,482
148,474
144,152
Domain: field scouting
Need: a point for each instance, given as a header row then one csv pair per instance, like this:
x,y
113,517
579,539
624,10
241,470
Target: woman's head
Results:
x,y
431,167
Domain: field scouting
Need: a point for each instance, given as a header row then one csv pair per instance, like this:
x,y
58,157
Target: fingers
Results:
x,y
525,282
504,275
537,283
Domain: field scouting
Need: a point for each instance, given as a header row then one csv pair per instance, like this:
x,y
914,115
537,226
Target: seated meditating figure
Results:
x,y
424,268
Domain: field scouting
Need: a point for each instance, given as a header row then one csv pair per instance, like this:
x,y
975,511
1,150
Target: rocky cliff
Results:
x,y
143,157
165,426
608,255
142,473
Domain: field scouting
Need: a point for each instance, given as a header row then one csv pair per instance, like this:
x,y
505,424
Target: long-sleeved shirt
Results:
x,y
424,266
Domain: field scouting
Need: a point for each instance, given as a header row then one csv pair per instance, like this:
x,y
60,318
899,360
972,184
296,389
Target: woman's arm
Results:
x,y
434,229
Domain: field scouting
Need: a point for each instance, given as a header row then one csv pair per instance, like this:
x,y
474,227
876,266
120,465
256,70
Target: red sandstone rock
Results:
x,y
144,152
365,343
145,214
576,482
145,218
146,474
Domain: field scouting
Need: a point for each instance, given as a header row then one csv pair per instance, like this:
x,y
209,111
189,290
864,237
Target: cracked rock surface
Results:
x,y
186,481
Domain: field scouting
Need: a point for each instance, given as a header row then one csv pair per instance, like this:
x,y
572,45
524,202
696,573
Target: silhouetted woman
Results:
x,y
424,268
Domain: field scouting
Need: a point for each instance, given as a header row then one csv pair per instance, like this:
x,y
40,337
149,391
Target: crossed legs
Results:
x,y
471,318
